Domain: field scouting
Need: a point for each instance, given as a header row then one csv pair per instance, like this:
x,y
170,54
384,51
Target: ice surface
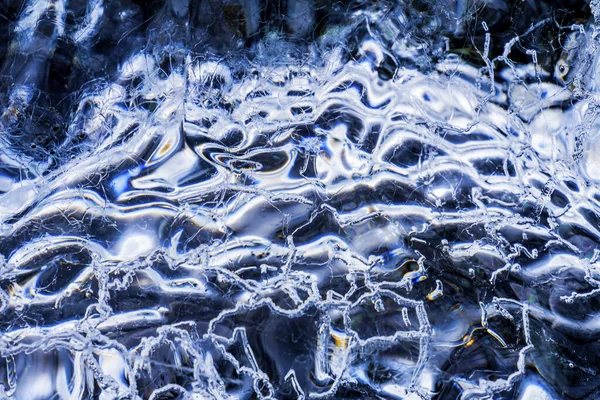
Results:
x,y
299,199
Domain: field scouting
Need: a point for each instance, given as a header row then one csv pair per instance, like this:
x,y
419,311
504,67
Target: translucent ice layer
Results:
x,y
299,200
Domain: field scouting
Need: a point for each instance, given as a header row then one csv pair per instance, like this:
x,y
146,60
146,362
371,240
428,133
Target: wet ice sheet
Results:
x,y
300,227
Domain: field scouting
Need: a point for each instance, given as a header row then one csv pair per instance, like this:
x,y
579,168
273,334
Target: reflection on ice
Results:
x,y
233,200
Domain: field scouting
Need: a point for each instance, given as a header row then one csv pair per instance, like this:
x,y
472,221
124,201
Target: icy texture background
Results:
x,y
299,199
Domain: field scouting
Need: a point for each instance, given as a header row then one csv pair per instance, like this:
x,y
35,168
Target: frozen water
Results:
x,y
299,199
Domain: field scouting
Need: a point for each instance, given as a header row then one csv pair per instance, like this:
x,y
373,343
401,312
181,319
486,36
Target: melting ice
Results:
x,y
299,200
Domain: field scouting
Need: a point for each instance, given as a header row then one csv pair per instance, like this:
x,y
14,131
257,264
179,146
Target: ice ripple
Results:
x,y
304,232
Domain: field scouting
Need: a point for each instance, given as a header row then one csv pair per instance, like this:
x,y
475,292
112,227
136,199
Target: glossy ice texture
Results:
x,y
299,199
